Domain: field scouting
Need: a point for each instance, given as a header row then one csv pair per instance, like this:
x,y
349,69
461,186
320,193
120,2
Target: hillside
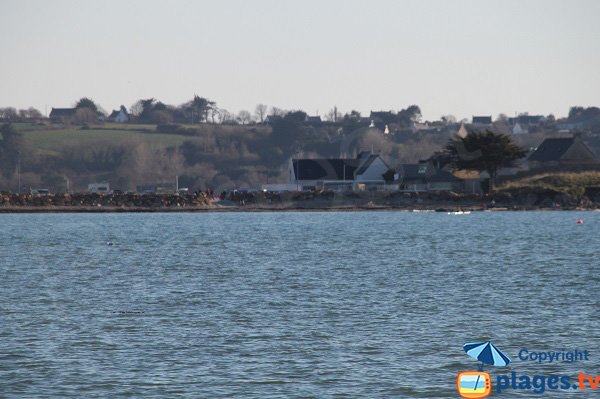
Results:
x,y
203,156
216,156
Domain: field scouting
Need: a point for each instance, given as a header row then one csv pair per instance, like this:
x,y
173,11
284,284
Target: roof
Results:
x,y
416,170
427,172
114,114
325,169
552,149
484,120
443,176
313,119
367,162
527,119
62,112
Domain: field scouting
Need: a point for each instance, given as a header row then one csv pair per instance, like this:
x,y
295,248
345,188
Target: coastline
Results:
x,y
527,200
260,208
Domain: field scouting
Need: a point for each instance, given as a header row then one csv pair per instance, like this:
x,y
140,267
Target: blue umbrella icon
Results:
x,y
486,353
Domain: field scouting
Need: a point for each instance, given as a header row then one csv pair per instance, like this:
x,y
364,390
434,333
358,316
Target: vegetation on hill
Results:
x,y
569,183
484,151
209,147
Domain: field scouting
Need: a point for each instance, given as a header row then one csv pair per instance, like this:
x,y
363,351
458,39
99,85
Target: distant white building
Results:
x,y
99,188
119,116
518,129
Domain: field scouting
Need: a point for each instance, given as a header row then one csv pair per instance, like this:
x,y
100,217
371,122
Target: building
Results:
x,y
314,121
62,115
518,129
365,172
481,121
119,116
563,152
424,177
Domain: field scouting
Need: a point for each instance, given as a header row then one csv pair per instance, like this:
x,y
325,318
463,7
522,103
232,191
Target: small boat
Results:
x,y
459,213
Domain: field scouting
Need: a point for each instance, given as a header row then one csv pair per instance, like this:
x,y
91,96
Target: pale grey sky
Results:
x,y
449,57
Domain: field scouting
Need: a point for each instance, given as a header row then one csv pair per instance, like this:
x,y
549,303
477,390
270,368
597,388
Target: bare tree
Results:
x,y
214,114
244,117
85,115
277,111
225,116
333,115
9,114
260,112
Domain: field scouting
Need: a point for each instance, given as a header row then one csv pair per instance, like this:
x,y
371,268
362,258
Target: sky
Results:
x,y
460,57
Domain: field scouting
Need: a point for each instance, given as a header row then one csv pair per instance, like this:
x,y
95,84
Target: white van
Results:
x,y
103,188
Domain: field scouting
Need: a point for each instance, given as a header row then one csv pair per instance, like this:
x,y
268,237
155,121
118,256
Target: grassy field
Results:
x,y
51,140
572,183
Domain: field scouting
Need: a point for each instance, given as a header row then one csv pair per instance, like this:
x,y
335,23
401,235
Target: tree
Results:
x,y
143,109
448,119
583,114
199,108
225,116
389,176
277,111
30,113
333,115
85,102
9,114
85,115
484,151
502,118
261,112
244,117
10,148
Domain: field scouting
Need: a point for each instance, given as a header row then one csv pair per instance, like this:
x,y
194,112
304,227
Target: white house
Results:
x,y
518,129
119,116
364,172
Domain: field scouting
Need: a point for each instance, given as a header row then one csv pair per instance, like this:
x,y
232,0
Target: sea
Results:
x,y
296,304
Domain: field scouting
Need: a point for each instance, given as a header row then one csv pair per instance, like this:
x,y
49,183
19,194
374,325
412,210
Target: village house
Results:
x,y
424,176
365,172
481,121
62,115
119,116
568,152
314,121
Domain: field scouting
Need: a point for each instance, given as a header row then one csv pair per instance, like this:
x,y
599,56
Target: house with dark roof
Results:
x,y
481,120
314,121
526,120
270,119
424,176
338,174
62,115
563,152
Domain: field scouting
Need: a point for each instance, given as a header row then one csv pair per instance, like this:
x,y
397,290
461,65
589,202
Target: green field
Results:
x,y
50,139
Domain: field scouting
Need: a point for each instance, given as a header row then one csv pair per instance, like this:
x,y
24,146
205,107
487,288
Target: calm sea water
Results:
x,y
289,305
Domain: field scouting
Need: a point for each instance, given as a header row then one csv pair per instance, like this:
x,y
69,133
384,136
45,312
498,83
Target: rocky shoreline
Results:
x,y
516,200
